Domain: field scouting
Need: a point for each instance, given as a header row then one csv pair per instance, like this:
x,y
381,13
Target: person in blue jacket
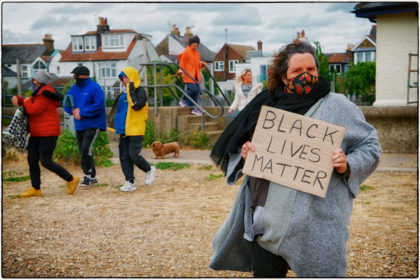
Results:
x,y
88,109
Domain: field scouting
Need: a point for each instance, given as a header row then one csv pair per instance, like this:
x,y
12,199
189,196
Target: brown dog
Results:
x,y
160,150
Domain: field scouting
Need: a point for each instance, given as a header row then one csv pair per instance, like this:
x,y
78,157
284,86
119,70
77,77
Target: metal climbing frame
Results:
x,y
177,88
412,84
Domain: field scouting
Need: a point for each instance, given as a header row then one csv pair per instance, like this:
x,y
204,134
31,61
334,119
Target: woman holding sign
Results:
x,y
271,227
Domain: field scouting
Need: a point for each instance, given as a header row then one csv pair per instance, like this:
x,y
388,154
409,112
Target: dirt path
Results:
x,y
166,230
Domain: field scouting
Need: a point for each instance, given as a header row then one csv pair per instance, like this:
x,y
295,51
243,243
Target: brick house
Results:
x,y
105,52
227,57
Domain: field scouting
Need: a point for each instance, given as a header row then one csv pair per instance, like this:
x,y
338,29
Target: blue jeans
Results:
x,y
193,90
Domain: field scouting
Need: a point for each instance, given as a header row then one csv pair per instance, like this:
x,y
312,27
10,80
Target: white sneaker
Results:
x,y
150,176
128,187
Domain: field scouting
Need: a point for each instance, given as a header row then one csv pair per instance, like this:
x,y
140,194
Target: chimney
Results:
x,y
259,44
103,25
175,31
49,44
188,33
302,34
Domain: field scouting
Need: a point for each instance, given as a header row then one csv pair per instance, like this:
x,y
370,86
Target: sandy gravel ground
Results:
x,y
166,230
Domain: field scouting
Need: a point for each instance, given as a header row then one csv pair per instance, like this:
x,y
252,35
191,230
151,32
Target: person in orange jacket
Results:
x,y
44,126
190,61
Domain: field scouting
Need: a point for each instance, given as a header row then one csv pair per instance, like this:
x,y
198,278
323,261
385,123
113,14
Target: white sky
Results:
x,y
275,24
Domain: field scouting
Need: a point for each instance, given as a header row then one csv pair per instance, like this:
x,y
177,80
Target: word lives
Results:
x,y
293,150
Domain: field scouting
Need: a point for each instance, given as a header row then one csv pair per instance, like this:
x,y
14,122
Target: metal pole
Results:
x,y
154,87
19,89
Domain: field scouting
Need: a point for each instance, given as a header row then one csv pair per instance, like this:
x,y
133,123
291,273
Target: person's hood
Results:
x,y
133,75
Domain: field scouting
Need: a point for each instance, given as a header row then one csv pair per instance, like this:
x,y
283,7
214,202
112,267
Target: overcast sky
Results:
x,y
275,24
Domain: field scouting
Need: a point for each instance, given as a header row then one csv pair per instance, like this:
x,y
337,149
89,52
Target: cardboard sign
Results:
x,y
293,150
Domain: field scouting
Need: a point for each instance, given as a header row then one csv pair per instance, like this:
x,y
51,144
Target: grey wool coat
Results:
x,y
309,232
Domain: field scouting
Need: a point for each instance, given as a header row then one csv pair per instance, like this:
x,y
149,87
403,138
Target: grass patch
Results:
x,y
214,177
205,167
171,165
14,196
12,176
102,185
170,190
366,187
118,187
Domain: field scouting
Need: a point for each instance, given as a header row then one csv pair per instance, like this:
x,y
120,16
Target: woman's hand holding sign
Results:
x,y
339,161
246,148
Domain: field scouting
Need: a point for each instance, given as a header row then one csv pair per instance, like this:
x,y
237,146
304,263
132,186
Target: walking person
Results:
x,y
128,118
89,118
44,126
245,90
272,228
190,61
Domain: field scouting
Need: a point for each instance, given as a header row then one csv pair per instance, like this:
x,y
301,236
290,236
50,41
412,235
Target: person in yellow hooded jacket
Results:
x,y
128,118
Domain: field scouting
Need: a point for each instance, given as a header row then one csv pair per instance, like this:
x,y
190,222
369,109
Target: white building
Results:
x,y
105,52
396,38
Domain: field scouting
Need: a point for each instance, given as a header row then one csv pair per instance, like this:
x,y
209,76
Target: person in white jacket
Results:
x,y
245,90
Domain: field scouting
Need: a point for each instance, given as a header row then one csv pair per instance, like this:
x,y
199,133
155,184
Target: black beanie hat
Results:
x,y
194,39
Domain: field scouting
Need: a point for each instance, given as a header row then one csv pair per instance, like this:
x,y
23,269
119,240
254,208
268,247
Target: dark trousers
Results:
x,y
193,90
85,140
267,265
42,149
129,148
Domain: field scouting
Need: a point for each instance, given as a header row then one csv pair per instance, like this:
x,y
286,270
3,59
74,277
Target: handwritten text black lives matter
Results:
x,y
293,150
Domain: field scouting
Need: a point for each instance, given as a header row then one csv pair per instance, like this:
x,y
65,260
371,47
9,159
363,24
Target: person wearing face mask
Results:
x,y
272,228
44,126
245,91
128,118
89,118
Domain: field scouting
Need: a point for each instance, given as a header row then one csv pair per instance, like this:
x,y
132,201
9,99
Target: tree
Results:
x,y
360,80
323,63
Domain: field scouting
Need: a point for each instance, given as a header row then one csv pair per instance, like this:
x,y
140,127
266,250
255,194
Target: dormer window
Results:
x,y
77,44
90,43
113,41
83,43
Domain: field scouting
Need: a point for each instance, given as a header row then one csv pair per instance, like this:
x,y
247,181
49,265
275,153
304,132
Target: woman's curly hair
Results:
x,y
280,63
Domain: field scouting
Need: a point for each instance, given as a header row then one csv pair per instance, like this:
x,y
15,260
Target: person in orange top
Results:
x,y
44,126
190,61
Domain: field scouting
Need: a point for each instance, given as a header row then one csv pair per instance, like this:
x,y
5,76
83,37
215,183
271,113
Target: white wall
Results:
x,y
397,35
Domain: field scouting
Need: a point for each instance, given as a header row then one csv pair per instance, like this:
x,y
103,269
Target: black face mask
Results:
x,y
79,81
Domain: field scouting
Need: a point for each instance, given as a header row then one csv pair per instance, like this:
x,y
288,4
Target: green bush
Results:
x,y
67,149
109,102
149,135
197,139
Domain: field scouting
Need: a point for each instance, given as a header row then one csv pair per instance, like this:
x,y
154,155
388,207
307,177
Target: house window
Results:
x,y
38,66
77,44
219,66
58,70
90,43
336,67
359,57
109,70
108,92
113,41
24,71
232,65
367,56
263,73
